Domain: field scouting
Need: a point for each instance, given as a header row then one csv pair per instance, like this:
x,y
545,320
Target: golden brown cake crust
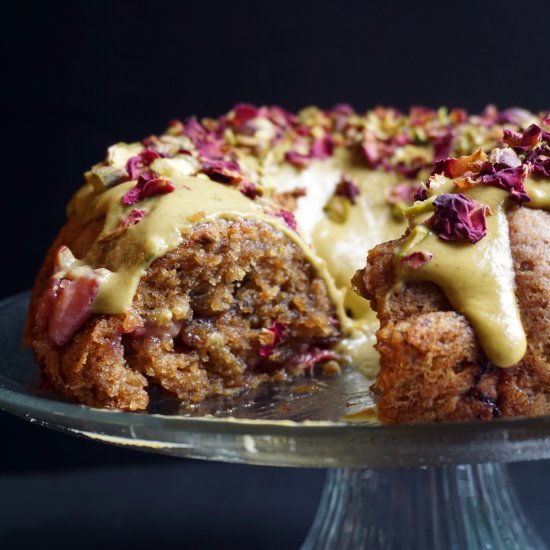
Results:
x,y
223,288
432,367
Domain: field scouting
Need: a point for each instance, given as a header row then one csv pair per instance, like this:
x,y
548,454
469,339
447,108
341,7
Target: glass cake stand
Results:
x,y
408,487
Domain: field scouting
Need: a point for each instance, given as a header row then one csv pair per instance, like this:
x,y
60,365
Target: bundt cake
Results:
x,y
219,254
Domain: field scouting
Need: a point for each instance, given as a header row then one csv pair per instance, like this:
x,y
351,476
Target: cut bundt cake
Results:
x,y
197,302
463,298
219,254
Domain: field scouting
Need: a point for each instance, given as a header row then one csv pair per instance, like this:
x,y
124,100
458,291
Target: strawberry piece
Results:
x,y
72,308
46,305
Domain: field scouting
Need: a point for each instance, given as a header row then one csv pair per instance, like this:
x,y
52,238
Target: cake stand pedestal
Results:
x,y
429,486
448,507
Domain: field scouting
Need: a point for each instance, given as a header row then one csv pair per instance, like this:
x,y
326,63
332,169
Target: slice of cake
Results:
x,y
195,288
463,298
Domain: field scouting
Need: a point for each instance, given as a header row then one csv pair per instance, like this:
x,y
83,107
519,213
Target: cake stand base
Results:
x,y
450,507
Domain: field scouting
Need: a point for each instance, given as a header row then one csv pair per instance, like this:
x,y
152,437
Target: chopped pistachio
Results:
x,y
337,209
119,153
172,168
317,132
171,145
398,211
443,115
229,136
419,208
102,177
311,116
420,134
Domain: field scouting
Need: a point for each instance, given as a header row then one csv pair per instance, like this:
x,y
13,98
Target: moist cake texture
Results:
x,y
219,254
463,297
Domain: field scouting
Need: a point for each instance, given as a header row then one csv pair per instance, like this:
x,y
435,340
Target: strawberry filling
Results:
x,y
65,306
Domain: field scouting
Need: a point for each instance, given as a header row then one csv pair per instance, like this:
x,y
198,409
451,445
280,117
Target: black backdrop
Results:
x,y
78,76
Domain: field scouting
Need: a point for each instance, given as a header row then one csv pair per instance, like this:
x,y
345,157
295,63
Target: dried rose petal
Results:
x,y
402,193
456,167
133,217
457,217
442,145
458,115
414,260
194,130
525,140
215,127
511,179
288,218
223,171
538,161
243,112
343,109
148,184
297,159
400,140
347,188
372,151
421,194
277,330
303,130
248,189
212,150
138,164
322,148
410,170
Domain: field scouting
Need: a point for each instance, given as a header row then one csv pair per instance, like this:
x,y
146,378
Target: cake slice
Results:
x,y
463,298
197,302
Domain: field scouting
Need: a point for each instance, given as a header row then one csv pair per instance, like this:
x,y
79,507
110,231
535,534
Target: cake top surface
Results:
x,y
341,179
458,234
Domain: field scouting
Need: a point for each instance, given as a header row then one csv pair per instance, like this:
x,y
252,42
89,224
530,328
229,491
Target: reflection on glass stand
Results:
x,y
440,507
460,507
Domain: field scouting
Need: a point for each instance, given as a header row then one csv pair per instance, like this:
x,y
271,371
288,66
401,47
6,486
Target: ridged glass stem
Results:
x,y
450,507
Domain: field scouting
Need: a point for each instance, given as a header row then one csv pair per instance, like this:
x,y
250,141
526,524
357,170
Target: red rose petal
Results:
x,y
223,171
347,188
416,259
288,218
148,184
135,166
457,217
277,329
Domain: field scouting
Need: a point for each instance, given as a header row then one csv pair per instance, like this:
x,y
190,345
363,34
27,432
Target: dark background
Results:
x,y
79,76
